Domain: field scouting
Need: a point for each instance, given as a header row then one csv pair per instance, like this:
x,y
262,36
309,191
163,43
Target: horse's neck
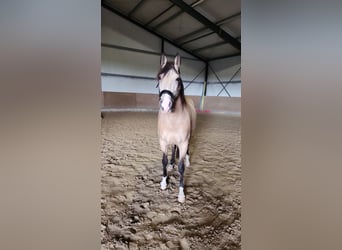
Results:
x,y
179,105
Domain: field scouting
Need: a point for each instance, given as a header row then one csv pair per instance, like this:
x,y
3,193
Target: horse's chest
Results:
x,y
174,133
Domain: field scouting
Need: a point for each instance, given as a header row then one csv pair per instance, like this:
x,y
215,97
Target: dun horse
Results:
x,y
176,119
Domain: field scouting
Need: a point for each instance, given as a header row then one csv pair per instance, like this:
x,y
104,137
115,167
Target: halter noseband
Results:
x,y
165,91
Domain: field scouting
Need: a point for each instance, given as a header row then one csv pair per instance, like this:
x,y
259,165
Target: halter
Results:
x,y
165,91
180,91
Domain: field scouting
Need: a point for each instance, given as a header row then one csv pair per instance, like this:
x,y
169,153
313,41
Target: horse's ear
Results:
x,y
163,61
177,62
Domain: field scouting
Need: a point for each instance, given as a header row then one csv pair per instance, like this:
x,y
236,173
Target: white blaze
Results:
x,y
166,103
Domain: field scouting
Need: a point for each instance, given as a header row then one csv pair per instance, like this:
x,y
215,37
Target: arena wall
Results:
x,y
137,101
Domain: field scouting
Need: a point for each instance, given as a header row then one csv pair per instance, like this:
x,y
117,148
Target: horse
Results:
x,y
176,120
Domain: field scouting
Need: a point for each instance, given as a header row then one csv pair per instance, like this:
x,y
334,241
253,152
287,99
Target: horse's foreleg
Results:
x,y
187,158
173,156
163,183
182,153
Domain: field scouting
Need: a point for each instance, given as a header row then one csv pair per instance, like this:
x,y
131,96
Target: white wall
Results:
x,y
129,62
117,31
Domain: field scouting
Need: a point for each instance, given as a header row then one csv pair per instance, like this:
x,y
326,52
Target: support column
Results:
x,y
204,92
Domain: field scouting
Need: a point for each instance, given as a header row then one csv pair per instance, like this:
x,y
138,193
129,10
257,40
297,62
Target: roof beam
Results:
x,y
199,17
210,46
168,19
136,7
160,14
104,5
225,56
228,19
194,4
197,38
219,23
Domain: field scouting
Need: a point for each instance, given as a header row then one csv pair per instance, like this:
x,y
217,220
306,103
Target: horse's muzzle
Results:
x,y
165,103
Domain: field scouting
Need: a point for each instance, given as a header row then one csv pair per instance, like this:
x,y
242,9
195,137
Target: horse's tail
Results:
x,y
192,111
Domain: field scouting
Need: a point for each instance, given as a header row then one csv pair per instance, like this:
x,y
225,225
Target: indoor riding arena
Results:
x,y
136,213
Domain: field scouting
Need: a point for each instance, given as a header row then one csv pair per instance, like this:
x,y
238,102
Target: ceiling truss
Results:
x,y
210,28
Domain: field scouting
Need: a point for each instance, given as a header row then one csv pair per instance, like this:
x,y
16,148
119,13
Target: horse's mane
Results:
x,y
169,66
181,92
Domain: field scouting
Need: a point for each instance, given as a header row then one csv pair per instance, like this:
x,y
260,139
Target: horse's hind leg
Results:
x,y
173,157
163,183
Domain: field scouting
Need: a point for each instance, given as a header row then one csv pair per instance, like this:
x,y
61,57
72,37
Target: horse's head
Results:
x,y
170,84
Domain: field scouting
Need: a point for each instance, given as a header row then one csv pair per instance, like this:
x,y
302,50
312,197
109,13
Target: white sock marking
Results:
x,y
181,196
163,183
187,160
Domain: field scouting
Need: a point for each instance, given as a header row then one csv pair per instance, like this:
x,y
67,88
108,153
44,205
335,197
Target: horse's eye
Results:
x,y
179,80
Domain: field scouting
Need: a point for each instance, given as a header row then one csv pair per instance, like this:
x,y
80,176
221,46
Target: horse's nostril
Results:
x,y
170,104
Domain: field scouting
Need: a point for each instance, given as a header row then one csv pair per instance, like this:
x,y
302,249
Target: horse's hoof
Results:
x,y
163,184
187,161
181,196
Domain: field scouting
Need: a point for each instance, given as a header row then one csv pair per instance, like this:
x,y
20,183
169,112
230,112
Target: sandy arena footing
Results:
x,y
137,214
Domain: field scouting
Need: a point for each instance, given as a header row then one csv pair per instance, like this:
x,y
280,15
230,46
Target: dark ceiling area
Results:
x,y
206,29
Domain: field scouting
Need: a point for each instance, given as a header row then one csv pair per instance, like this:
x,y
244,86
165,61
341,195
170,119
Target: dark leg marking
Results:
x,y
173,157
164,161
181,172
